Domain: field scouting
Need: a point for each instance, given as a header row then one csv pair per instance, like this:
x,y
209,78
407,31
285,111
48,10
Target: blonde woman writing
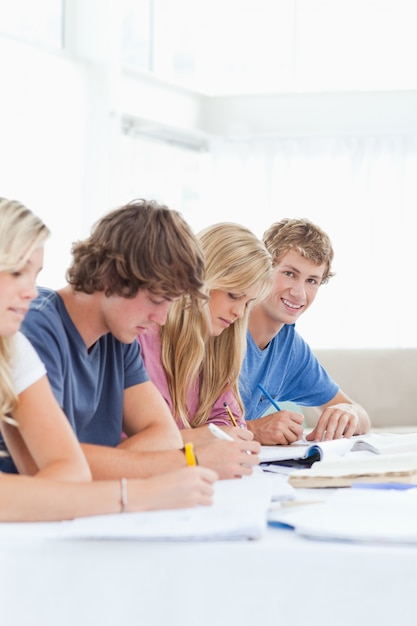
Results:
x,y
34,428
195,359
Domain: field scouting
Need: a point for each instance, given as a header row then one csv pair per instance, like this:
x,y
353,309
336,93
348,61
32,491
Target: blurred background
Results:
x,y
231,110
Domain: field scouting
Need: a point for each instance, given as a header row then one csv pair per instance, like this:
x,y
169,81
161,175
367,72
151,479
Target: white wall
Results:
x,y
311,114
63,155
43,155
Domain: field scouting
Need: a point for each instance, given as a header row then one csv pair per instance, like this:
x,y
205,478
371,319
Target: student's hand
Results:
x,y
336,421
230,459
184,488
238,433
201,435
282,428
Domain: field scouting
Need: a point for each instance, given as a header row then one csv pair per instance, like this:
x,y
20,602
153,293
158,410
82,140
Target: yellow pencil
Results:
x,y
230,414
189,454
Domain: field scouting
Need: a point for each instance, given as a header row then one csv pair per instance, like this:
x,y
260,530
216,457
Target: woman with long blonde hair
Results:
x,y
36,432
195,359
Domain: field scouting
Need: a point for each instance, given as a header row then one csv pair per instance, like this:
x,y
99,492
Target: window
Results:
x,y
274,46
137,34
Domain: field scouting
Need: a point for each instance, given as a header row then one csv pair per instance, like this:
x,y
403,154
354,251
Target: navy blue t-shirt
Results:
x,y
89,386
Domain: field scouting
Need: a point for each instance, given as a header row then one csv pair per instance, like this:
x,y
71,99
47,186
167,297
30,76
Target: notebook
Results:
x,y
303,453
355,515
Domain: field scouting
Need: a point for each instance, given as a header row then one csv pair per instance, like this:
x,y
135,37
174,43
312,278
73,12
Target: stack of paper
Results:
x,y
343,472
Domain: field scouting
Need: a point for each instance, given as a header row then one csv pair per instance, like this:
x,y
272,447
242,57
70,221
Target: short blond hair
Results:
x,y
303,236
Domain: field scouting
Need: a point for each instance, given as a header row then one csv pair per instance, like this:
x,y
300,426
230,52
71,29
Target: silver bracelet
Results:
x,y
123,495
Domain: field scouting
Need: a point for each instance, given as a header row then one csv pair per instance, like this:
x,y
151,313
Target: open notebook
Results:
x,y
304,453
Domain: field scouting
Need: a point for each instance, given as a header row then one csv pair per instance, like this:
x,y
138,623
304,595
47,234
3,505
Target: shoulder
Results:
x,y
290,339
45,300
45,310
46,321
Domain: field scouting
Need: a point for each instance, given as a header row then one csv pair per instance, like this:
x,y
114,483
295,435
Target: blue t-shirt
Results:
x,y
89,386
287,369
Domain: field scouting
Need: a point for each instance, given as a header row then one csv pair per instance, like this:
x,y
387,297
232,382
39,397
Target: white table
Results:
x,y
279,580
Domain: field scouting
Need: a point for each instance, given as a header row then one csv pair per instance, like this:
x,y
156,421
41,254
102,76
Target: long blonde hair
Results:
x,y
21,232
235,261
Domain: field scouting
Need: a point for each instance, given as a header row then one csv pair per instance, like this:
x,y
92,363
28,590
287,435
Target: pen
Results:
x,y
219,433
230,414
270,398
189,454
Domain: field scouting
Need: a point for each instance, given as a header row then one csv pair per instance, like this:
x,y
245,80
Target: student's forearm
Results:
x,y
198,436
66,471
27,499
18,450
154,437
110,463
32,499
70,468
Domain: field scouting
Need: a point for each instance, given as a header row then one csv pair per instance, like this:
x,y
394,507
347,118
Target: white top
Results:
x,y
27,367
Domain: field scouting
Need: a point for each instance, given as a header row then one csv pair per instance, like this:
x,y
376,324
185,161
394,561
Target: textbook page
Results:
x,y
386,443
305,453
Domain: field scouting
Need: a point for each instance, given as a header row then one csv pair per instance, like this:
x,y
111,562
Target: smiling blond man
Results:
x,y
277,357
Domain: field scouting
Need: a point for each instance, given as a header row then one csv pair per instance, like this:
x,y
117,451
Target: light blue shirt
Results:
x,y
287,369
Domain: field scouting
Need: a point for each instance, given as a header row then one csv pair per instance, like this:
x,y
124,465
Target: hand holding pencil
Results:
x,y
281,427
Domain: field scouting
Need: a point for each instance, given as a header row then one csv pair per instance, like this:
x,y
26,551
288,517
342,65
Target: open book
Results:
x,y
385,443
304,453
344,471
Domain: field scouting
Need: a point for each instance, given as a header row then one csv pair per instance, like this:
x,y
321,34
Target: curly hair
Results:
x,y
141,245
